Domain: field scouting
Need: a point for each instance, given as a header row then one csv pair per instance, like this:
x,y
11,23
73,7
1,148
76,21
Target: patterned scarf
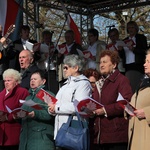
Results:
x,y
100,83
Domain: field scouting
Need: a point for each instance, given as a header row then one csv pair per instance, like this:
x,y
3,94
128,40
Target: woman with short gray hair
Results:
x,y
77,87
75,60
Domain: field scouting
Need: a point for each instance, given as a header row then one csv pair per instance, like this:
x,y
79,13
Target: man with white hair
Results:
x,y
27,67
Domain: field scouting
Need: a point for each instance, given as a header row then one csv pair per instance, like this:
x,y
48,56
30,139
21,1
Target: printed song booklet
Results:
x,y
125,105
46,97
129,42
85,53
19,112
31,103
32,47
125,43
86,106
62,49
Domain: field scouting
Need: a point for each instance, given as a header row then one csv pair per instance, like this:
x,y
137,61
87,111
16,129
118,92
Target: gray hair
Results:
x,y
74,60
12,73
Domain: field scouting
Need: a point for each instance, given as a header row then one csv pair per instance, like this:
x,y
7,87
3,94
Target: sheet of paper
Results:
x,y
29,45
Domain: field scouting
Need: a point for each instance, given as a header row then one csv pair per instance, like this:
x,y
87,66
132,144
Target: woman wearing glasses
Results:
x,y
76,87
93,75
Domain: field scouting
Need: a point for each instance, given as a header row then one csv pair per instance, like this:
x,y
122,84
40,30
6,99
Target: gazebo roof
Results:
x,y
86,7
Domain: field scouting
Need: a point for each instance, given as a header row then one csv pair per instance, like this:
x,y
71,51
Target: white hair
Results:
x,y
13,74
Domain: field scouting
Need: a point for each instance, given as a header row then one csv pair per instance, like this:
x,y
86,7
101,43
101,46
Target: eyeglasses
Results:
x,y
66,67
93,83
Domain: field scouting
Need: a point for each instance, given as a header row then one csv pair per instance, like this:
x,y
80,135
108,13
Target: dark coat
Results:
x,y
10,130
25,82
37,133
113,128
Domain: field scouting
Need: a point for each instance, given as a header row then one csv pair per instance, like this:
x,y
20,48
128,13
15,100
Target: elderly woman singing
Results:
x,y
76,87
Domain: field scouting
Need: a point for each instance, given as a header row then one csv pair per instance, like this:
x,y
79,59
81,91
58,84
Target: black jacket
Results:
x,y
25,82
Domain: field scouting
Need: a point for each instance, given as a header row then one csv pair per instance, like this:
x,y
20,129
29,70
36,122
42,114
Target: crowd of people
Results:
x,y
102,71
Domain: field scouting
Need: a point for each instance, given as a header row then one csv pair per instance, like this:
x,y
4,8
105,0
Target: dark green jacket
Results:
x,y
37,132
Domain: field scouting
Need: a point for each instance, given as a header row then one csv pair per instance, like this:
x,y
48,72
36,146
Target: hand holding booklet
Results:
x,y
125,43
62,49
85,53
86,106
17,112
129,42
125,105
46,97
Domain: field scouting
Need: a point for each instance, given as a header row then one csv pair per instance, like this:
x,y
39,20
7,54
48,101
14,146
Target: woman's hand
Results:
x,y
51,108
31,114
3,118
99,111
140,114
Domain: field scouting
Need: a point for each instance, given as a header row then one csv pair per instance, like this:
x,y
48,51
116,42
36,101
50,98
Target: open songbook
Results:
x,y
125,105
32,47
46,97
86,106
129,42
125,43
62,49
32,104
85,53
18,112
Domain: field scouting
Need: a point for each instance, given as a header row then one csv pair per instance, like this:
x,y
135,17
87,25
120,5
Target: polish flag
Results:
x,y
8,13
71,24
74,27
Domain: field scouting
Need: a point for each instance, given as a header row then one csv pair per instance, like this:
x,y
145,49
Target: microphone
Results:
x,y
110,26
